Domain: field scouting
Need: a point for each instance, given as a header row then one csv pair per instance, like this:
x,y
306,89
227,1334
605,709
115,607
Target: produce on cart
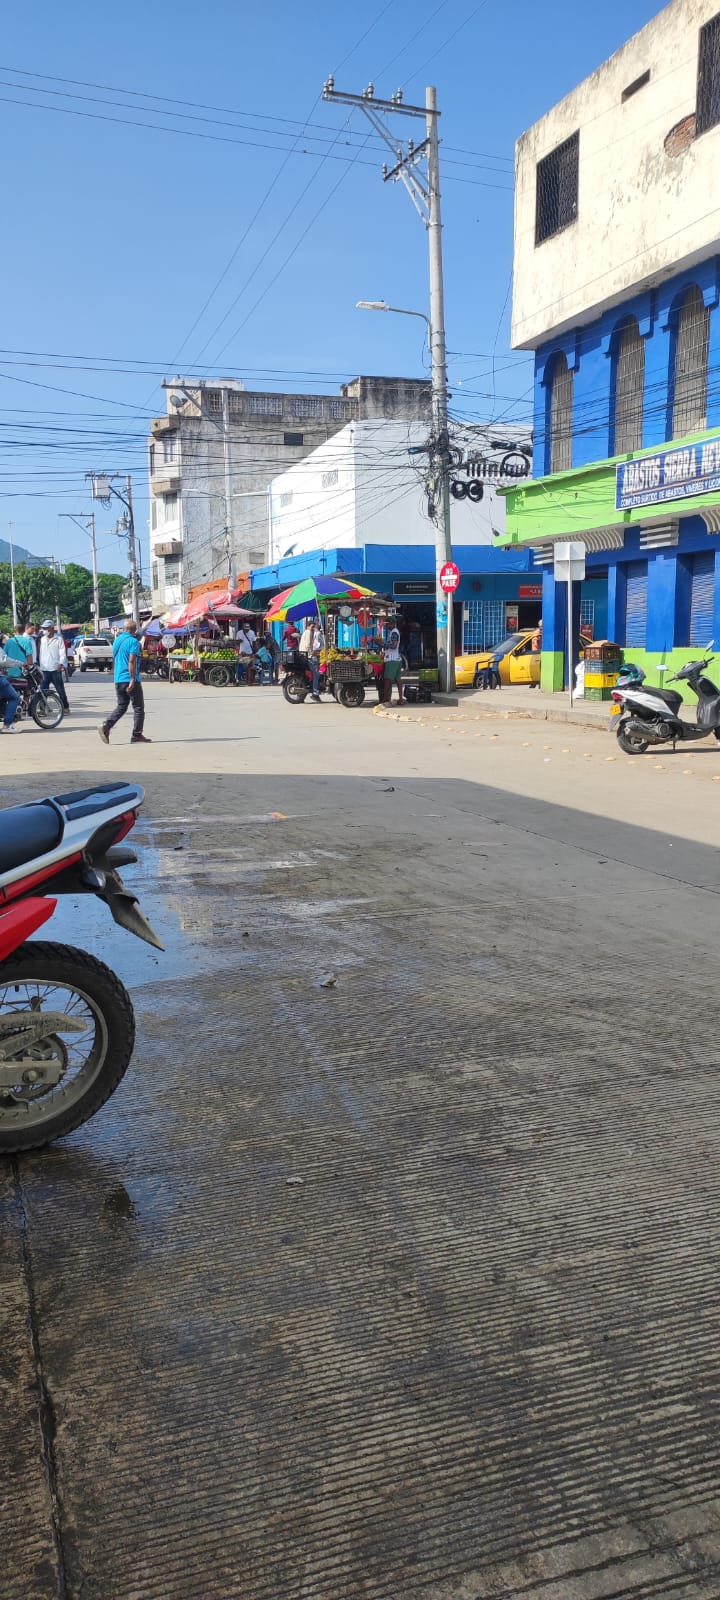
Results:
x,y
355,621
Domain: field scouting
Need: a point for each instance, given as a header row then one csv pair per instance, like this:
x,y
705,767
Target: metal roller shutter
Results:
x,y
636,604
702,598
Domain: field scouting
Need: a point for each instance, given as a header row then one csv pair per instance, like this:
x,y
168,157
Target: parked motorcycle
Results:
x,y
297,678
47,710
67,1027
650,716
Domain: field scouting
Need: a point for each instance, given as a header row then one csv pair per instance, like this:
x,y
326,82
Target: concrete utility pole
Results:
x,y
425,195
103,489
87,523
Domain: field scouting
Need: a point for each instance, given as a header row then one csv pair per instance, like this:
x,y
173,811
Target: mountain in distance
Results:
x,y
20,555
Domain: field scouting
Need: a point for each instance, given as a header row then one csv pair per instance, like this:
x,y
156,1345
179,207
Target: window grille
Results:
x,y
556,191
708,82
336,409
587,613
265,405
214,400
236,402
629,388
561,415
690,377
307,406
329,479
286,498
483,625
169,445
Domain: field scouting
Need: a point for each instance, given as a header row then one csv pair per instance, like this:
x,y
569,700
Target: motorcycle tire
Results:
x,y
295,690
631,742
40,1117
351,695
47,711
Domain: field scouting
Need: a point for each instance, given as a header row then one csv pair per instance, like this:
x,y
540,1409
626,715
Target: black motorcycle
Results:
x,y
46,709
650,716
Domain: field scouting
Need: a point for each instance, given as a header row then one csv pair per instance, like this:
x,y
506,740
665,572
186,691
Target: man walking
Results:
x,y
127,652
52,660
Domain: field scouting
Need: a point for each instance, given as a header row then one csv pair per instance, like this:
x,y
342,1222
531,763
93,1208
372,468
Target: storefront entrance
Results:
x,y
418,631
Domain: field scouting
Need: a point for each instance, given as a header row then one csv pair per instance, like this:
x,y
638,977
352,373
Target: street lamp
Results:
x,y
87,523
399,311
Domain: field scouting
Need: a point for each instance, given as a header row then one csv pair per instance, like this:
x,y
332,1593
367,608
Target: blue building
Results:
x,y
617,293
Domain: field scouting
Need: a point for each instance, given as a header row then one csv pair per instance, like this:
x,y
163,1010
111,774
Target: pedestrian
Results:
x,y
271,645
291,637
9,697
392,669
245,663
312,642
19,651
30,634
127,652
53,659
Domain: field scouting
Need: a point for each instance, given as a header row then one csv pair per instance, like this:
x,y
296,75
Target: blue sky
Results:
x,y
115,234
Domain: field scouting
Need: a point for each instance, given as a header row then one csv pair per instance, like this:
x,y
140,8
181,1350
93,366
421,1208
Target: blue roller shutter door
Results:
x,y
636,604
702,598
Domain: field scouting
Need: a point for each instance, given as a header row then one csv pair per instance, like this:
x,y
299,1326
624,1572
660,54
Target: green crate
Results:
x,y
598,694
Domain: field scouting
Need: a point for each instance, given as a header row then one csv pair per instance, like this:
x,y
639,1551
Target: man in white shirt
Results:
x,y
244,644
52,660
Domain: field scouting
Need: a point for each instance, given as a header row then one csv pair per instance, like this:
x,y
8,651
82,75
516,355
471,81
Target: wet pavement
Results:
x,y
389,1272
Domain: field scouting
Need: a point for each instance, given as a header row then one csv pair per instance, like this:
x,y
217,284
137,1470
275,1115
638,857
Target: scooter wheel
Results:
x,y
630,739
86,1063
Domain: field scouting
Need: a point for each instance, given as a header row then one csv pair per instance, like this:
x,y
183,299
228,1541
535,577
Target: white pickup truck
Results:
x,y
95,651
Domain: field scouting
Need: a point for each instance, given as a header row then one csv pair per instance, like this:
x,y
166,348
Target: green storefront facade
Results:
x,y
652,549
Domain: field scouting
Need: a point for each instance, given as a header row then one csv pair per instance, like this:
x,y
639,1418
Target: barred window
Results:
x,y
265,405
307,406
556,193
690,368
337,409
329,479
708,81
213,400
235,401
628,382
561,415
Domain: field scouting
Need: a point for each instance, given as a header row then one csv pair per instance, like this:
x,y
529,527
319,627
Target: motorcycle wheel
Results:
x,y
351,695
630,738
59,978
47,710
295,690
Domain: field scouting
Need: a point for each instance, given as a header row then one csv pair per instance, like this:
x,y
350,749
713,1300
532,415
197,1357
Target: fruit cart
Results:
x,y
353,655
215,666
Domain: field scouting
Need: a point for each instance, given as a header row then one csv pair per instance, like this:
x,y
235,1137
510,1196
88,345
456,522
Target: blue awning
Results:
x,y
404,560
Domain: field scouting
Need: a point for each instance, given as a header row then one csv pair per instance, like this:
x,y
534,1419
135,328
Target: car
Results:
x,y
517,661
95,651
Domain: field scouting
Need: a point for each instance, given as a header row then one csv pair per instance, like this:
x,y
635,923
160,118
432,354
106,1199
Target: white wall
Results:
x,y
642,212
379,497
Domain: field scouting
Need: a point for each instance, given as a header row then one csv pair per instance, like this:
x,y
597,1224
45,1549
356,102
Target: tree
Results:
x,y
111,585
77,588
37,591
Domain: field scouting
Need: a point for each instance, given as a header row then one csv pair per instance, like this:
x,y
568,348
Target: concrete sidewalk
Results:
x,y
516,702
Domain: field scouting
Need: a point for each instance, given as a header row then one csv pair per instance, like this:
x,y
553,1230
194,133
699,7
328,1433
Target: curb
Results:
x,y
576,719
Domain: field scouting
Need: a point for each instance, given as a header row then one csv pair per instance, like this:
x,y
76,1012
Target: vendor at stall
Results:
x,y
392,667
245,663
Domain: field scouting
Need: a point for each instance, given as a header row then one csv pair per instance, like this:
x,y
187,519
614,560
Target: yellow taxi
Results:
x,y
516,659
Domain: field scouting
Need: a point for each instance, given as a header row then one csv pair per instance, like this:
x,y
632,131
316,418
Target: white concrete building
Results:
x,y
211,459
617,187
363,487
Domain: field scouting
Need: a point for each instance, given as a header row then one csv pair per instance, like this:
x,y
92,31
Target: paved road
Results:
x,y
402,1289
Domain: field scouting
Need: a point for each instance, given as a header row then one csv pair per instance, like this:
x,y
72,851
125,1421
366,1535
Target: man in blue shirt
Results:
x,y
127,652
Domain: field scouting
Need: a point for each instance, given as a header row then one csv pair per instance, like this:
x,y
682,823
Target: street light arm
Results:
x,y
398,311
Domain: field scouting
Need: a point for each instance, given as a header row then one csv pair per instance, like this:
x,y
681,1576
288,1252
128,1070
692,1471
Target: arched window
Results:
x,y
560,415
628,389
690,365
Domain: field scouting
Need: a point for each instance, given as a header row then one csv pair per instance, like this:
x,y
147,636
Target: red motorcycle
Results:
x,y
67,1027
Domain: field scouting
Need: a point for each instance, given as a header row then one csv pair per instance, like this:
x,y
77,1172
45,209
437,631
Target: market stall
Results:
x,y
355,622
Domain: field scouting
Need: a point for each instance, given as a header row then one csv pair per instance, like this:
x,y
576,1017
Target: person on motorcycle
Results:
x,y
9,697
19,651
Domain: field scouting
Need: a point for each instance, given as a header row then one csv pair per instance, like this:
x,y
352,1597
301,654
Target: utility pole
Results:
x,y
425,195
103,489
13,596
226,467
87,523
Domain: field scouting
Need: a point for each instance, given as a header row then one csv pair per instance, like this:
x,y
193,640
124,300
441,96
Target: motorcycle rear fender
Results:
x,y
18,922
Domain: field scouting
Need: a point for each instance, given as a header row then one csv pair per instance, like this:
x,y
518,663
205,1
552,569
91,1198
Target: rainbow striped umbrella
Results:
x,y
310,595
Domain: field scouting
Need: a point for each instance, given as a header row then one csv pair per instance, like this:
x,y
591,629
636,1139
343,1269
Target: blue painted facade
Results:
x,y
648,600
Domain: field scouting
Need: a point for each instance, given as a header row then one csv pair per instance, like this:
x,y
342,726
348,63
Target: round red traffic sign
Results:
x,y
449,577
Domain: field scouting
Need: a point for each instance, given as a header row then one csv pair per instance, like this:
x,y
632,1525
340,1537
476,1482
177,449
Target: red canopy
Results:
x,y
220,603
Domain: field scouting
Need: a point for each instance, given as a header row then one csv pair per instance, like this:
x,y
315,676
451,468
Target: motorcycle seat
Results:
x,y
670,696
27,832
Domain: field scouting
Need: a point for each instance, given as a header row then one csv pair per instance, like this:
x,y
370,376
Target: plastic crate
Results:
x,y
346,671
597,694
603,650
600,680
